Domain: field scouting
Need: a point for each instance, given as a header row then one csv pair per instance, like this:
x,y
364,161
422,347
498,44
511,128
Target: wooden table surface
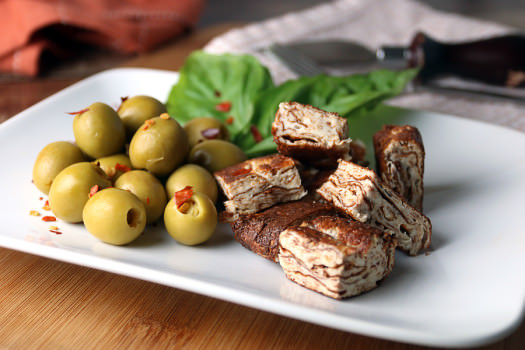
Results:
x,y
55,305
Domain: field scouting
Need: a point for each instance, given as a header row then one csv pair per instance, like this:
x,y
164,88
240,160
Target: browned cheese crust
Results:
x,y
358,152
311,135
260,232
336,256
259,183
312,179
358,192
400,158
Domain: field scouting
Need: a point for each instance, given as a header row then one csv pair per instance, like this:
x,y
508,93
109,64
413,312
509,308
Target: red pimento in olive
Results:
x,y
190,217
183,195
122,167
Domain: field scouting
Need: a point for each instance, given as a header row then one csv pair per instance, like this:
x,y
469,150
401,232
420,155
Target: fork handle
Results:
x,y
498,60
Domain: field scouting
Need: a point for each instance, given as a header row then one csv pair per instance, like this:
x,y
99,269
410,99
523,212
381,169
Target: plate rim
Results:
x,y
363,326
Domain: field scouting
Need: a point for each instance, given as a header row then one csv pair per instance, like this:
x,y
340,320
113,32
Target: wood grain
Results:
x,y
48,304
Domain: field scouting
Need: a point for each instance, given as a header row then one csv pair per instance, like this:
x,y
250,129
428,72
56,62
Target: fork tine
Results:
x,y
296,61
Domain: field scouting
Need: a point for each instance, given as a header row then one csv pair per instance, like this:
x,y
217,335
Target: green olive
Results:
x,y
216,155
114,165
98,131
51,160
195,176
135,110
159,145
194,222
205,128
71,188
115,216
148,189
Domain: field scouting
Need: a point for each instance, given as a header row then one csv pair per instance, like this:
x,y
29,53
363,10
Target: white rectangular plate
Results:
x,y
469,290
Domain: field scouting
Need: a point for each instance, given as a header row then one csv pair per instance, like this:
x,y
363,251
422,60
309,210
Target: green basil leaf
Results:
x,y
347,95
208,80
240,81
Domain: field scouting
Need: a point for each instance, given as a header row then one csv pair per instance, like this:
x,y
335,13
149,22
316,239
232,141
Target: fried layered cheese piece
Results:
x,y
336,256
260,232
259,183
359,192
400,158
311,135
312,179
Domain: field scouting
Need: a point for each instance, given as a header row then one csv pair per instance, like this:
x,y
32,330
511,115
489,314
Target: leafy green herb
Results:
x,y
240,92
209,82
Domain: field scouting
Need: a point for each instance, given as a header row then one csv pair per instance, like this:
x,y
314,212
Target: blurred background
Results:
x,y
510,12
52,72
77,58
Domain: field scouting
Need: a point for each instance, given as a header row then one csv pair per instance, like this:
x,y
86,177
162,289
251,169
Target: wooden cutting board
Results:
x,y
54,305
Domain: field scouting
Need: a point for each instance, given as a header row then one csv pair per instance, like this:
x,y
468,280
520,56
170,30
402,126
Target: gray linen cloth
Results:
x,y
373,23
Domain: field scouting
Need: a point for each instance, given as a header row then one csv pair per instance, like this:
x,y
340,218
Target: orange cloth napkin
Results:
x,y
128,26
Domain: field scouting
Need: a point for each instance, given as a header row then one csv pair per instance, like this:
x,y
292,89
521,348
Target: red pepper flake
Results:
x,y
49,218
147,200
122,167
46,205
165,116
229,120
41,198
78,112
122,100
147,124
211,133
224,106
93,190
256,134
34,213
182,196
56,232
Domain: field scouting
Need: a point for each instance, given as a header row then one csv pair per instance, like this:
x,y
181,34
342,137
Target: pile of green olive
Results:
x,y
127,165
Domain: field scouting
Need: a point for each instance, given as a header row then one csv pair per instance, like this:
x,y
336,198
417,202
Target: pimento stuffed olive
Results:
x,y
190,217
71,188
135,110
98,130
216,155
114,165
51,160
205,128
148,189
159,145
200,179
114,216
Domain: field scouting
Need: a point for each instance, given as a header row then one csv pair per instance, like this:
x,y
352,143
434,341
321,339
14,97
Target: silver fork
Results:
x,y
304,66
296,61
